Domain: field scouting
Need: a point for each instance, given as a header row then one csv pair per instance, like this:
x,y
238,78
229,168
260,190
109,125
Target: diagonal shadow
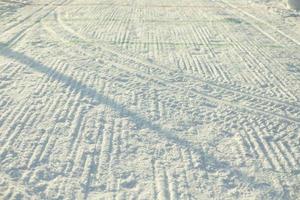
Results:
x,y
209,163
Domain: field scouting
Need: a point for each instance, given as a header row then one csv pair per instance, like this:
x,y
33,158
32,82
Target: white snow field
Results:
x,y
149,99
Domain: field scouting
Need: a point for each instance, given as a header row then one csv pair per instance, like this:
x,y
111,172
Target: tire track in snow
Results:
x,y
265,153
161,181
261,21
85,159
32,158
210,96
20,33
230,86
252,60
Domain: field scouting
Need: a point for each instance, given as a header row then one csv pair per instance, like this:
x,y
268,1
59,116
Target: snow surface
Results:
x,y
294,4
149,99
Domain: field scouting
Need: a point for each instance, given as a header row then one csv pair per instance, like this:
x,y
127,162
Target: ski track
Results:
x,y
148,100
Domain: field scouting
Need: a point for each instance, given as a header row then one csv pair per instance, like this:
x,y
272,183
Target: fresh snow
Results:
x,y
149,99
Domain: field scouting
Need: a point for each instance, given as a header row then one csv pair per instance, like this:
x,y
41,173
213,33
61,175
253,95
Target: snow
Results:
x,y
294,4
160,99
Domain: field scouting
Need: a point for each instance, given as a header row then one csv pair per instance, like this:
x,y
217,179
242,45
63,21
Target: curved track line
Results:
x,y
165,68
26,18
25,29
159,80
261,21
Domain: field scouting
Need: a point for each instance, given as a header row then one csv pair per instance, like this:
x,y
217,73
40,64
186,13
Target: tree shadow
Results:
x,y
209,162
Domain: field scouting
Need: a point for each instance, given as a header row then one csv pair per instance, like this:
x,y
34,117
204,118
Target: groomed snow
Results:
x,y
149,99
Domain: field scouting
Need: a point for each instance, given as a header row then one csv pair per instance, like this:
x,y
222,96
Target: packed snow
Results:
x,y
150,99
